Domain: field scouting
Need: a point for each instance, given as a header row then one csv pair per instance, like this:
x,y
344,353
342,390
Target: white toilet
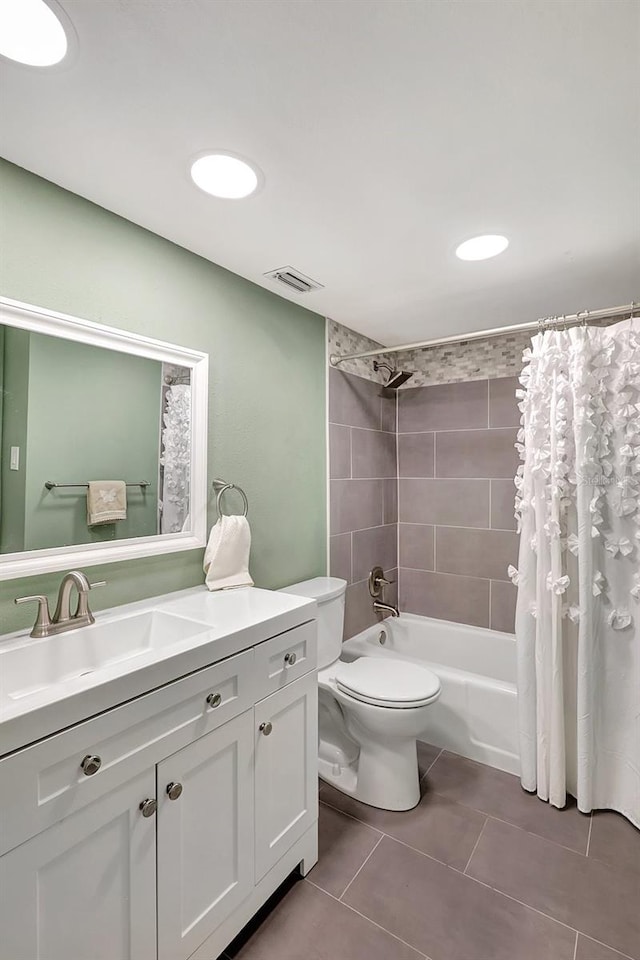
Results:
x,y
371,711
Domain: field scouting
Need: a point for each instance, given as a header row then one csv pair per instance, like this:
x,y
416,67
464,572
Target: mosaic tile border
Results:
x,y
449,363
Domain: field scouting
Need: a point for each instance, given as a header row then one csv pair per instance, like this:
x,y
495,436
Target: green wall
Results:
x,y
93,414
266,377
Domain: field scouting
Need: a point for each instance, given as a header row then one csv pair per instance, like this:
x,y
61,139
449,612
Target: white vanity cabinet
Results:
x,y
85,887
205,835
196,801
286,770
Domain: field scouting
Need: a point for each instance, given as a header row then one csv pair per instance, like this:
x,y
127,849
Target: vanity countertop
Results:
x,y
218,625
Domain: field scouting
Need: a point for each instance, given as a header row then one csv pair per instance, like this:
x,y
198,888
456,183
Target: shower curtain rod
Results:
x,y
583,317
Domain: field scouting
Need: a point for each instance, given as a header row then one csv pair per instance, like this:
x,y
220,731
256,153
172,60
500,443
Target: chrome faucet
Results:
x,y
377,583
63,619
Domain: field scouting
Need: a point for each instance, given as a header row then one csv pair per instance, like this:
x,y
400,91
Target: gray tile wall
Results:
x,y
363,490
457,535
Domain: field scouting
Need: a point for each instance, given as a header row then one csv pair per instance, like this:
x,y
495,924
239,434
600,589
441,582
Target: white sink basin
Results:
x,y
30,667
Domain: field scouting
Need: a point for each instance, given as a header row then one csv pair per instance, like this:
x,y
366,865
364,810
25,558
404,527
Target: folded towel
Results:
x,y
226,558
106,501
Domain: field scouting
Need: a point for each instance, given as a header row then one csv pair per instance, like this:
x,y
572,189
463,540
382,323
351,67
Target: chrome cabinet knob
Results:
x,y
149,807
174,790
90,765
290,659
214,700
266,728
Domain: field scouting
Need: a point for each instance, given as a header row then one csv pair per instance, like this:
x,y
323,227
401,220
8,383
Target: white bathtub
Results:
x,y
476,715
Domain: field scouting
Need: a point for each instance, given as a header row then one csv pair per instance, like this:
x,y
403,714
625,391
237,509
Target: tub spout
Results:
x,y
381,607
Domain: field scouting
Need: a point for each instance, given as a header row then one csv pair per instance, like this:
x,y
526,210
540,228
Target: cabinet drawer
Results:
x,y
285,658
46,782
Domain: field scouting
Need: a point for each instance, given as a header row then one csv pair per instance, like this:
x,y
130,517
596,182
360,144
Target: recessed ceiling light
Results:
x,y
223,175
481,248
31,33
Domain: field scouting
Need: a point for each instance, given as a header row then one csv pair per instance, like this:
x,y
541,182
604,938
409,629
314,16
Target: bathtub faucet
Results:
x,y
381,607
377,583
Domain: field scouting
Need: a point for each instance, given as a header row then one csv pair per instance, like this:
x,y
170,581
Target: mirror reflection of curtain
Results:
x,y
175,459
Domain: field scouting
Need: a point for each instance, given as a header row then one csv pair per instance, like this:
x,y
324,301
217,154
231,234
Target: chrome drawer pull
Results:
x,y
214,700
174,790
148,807
90,765
290,659
266,728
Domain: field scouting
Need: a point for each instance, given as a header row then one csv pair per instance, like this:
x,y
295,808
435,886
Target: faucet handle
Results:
x,y
43,620
384,582
98,583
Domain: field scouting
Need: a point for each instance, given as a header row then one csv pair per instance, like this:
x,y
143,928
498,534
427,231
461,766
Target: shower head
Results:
x,y
396,377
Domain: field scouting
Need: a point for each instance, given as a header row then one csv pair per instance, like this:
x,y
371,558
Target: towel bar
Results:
x,y
50,485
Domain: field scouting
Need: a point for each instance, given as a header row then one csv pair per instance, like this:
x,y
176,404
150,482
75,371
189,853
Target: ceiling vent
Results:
x,y
293,279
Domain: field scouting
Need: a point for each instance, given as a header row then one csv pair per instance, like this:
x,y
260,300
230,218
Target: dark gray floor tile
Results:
x,y
343,846
615,840
438,827
448,916
584,893
427,753
500,795
590,950
309,923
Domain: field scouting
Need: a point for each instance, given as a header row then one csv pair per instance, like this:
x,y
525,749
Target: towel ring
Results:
x,y
223,489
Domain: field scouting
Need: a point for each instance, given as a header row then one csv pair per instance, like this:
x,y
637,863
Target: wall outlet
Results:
x,y
14,462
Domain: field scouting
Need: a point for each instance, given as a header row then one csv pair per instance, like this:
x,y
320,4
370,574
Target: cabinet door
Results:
x,y
286,769
85,887
205,836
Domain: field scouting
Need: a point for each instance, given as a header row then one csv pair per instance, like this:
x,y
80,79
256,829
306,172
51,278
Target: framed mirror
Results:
x,y
103,443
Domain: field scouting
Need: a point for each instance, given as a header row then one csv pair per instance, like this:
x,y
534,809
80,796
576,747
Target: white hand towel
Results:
x,y
106,502
226,558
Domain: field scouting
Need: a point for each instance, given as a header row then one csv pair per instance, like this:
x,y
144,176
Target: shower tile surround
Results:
x,y
456,527
454,441
363,490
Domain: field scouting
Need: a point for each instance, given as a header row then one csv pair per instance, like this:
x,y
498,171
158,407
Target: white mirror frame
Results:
x,y
14,313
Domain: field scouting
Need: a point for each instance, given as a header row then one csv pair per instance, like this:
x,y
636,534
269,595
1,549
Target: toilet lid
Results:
x,y
385,681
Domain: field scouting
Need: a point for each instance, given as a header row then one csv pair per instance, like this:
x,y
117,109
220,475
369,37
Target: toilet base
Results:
x,y
383,776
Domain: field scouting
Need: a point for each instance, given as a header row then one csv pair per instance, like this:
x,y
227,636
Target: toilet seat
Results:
x,y
385,682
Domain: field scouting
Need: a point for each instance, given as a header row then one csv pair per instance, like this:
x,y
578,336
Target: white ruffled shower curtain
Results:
x,y
578,609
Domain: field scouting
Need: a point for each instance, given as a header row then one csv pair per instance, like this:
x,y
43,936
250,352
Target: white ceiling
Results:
x,y
387,131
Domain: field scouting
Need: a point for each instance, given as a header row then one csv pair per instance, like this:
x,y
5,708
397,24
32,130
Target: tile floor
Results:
x,y
479,870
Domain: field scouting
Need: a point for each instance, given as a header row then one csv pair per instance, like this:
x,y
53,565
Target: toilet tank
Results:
x,y
329,593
